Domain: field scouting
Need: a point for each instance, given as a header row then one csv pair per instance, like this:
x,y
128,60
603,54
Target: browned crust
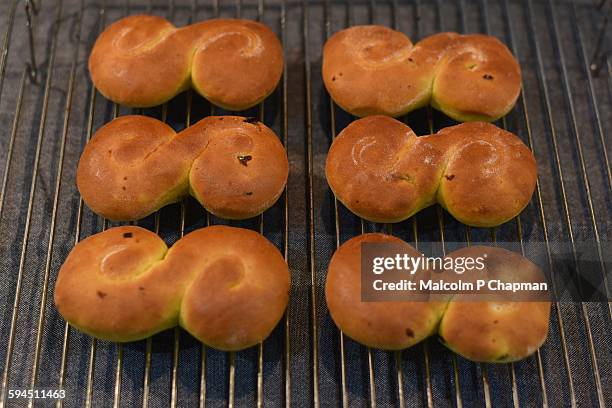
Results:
x,y
386,325
374,70
230,286
496,331
134,165
487,331
111,285
483,175
241,289
144,60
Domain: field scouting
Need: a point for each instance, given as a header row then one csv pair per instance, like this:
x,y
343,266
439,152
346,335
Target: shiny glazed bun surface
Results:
x,y
378,168
227,286
143,61
386,325
374,70
134,165
495,330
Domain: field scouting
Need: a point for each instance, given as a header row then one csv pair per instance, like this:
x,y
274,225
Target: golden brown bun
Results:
x,y
142,61
496,331
387,325
235,167
241,290
489,331
111,285
374,70
227,286
379,169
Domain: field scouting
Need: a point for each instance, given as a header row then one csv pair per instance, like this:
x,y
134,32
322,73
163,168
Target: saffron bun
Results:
x,y
506,326
226,286
374,70
234,166
380,170
143,60
391,325
501,328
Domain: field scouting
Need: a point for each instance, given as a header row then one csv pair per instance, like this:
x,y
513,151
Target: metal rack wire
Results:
x,y
53,110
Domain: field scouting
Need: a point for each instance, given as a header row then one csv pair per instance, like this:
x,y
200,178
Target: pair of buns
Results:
x,y
235,167
373,70
143,61
226,286
379,169
487,331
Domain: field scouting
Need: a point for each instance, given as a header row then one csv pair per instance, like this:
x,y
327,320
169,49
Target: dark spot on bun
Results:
x,y
495,321
409,332
127,235
449,177
251,119
249,193
125,178
333,78
245,159
488,77
503,357
101,294
141,288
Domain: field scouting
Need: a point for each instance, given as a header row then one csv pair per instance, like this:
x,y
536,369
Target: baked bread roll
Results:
x,y
500,330
226,286
143,61
374,70
482,175
496,330
235,167
392,325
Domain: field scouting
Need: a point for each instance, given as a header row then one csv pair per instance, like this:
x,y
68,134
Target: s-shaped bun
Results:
x,y
497,330
143,61
481,174
234,166
373,70
226,286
